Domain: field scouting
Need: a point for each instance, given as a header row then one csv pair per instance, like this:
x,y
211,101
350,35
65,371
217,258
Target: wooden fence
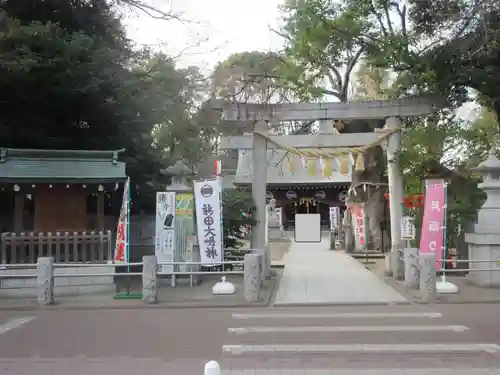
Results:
x,y
65,247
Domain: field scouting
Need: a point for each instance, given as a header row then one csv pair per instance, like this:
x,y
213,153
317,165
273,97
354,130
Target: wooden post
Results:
x,y
18,212
100,210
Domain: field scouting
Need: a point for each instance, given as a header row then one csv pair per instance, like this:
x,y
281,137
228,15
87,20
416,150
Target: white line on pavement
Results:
x,y
14,323
285,315
364,348
372,371
315,329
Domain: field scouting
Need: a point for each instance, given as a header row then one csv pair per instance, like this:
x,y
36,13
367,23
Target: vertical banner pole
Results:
x,y
445,224
127,249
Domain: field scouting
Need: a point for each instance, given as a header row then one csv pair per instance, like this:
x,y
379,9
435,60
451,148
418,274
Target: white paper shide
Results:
x,y
208,221
165,230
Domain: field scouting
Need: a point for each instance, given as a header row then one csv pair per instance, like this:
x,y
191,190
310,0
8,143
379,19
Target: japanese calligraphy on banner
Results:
x,y
165,230
407,228
359,224
334,217
431,239
207,195
121,254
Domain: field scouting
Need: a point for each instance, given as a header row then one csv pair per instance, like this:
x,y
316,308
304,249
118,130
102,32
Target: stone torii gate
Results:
x,y
262,114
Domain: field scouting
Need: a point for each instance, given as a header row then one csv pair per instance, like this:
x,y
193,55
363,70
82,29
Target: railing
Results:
x,y
419,270
64,247
254,269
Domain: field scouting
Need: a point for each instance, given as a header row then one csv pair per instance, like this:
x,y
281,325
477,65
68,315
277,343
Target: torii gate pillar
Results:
x,y
396,194
259,182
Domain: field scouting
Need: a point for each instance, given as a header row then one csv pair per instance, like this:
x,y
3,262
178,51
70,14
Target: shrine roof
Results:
x,y
64,166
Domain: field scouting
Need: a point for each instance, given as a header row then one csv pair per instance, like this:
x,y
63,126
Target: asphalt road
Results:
x,y
180,341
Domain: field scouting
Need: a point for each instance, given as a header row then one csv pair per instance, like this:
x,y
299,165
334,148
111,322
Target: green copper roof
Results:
x,y
65,166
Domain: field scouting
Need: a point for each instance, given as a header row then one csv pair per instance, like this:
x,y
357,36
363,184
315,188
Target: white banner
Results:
x,y
121,254
334,217
207,196
407,228
279,215
165,230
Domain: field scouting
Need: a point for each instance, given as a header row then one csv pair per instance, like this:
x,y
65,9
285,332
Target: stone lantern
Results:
x,y
180,173
484,243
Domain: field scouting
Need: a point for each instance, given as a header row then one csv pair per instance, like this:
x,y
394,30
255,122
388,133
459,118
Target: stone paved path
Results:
x,y
315,275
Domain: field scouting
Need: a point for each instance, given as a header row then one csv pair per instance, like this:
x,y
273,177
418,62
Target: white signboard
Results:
x,y
407,228
207,195
279,215
165,230
334,217
307,228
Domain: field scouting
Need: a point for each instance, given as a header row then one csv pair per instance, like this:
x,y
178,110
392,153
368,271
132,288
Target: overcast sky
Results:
x,y
219,28
214,30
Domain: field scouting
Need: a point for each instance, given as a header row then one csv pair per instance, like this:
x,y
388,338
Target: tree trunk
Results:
x,y
365,187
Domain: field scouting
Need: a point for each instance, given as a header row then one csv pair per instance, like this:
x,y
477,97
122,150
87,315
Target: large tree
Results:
x,y
70,79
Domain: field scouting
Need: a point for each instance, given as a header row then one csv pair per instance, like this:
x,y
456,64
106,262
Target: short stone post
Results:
x,y
427,264
411,268
397,266
149,283
45,281
252,274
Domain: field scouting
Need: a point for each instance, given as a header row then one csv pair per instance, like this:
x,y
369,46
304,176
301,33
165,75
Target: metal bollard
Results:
x,y
252,276
428,277
45,281
411,268
212,368
149,280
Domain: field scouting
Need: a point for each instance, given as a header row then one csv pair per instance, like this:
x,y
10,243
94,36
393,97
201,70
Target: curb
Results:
x,y
333,304
159,306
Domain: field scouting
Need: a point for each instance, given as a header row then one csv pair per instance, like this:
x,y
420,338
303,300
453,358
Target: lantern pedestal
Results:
x,y
484,243
445,287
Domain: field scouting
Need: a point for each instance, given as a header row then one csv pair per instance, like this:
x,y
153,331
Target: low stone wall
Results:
x,y
64,286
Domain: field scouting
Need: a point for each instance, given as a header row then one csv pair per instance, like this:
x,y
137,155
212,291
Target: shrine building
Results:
x,y
296,187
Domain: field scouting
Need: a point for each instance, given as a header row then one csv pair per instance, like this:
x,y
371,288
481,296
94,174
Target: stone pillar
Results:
x,y
149,285
259,182
45,281
251,277
427,263
411,268
396,197
397,265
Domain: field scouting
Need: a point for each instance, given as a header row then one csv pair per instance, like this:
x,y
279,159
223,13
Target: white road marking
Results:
x,y
14,323
336,315
315,329
364,348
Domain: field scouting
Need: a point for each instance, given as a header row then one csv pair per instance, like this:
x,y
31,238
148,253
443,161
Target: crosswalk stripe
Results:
x,y
14,323
315,329
358,371
430,348
284,315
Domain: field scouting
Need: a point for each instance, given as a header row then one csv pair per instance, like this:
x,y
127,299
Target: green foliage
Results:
x,y
235,202
70,79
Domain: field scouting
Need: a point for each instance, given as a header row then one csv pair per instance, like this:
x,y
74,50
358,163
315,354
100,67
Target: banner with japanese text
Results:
x,y
121,254
431,238
207,195
359,225
334,217
165,229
